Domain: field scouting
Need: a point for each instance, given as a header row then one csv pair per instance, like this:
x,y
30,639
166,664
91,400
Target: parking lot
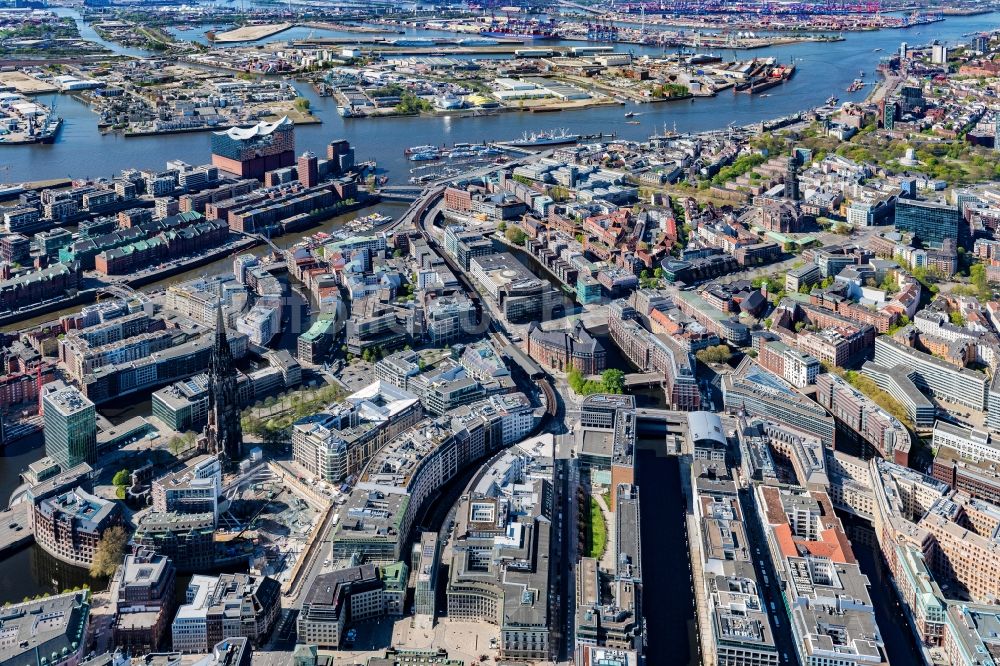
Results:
x,y
356,375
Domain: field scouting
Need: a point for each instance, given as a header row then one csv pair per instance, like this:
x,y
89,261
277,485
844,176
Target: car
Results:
x,y
772,607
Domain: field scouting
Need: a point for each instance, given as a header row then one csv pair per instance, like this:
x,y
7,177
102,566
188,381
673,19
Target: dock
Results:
x,y
15,528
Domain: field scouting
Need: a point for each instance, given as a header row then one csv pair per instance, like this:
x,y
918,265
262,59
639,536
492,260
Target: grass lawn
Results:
x,y
595,533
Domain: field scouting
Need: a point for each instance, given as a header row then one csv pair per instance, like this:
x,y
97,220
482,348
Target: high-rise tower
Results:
x,y
224,433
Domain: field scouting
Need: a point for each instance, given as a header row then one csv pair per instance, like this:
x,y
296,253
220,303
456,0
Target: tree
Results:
x,y
716,354
502,227
515,235
109,552
411,104
613,381
977,276
121,478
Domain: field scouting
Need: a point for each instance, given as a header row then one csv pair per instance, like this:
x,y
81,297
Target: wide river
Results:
x,y
823,69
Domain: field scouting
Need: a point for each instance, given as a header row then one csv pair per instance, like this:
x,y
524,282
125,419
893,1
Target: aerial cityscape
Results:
x,y
364,333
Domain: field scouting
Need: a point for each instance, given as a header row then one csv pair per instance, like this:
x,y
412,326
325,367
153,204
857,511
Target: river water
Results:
x,y
823,69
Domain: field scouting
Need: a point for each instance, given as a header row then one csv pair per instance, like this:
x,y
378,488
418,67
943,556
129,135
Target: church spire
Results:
x,y
224,433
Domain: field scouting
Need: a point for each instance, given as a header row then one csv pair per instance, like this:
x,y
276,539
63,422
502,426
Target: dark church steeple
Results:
x,y
224,433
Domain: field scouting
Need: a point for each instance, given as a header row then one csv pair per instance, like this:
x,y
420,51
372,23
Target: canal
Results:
x,y
225,264
900,644
667,594
31,570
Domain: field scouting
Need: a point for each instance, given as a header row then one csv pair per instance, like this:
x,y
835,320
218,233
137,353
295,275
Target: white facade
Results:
x,y
972,445
189,631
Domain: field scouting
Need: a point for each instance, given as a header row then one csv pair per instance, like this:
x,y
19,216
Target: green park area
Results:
x,y
595,532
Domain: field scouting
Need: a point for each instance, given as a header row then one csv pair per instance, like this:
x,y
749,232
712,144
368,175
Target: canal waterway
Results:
x,y
31,570
823,69
667,594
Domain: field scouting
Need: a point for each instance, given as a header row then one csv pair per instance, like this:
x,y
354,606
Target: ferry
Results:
x,y
541,139
345,111
375,219
423,157
419,149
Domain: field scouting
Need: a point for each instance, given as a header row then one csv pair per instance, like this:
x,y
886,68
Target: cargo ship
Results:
x,y
523,30
47,134
542,139
523,36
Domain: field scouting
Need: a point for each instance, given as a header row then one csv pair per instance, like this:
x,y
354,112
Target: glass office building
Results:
x,y
929,221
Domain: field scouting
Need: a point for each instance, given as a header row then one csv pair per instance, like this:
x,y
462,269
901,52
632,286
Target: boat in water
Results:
x,y
425,156
630,114
368,222
525,35
541,139
419,149
47,133
831,100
